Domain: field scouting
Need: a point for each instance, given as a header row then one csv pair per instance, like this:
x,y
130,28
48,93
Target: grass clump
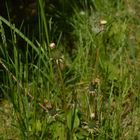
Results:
x,y
87,92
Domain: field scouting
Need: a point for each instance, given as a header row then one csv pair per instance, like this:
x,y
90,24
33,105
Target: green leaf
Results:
x,y
38,125
58,131
73,119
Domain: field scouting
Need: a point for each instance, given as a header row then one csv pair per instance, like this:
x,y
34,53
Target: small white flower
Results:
x,y
103,22
92,115
52,45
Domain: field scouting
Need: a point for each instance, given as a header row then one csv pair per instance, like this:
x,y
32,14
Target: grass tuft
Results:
x,y
90,92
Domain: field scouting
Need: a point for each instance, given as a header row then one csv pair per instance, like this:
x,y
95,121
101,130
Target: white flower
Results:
x,y
92,115
103,22
52,45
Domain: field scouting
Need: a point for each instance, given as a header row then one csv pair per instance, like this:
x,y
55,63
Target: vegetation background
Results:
x,y
69,70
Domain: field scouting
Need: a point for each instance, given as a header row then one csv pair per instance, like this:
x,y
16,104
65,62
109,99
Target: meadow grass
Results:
x,y
91,93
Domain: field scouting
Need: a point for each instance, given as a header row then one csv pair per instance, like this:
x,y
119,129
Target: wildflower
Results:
x,y
94,86
52,45
103,22
92,115
61,63
47,104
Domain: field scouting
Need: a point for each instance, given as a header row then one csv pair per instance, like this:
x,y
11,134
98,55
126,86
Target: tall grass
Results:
x,y
92,94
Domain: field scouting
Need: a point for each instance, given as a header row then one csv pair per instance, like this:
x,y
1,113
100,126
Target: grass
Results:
x,y
90,93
